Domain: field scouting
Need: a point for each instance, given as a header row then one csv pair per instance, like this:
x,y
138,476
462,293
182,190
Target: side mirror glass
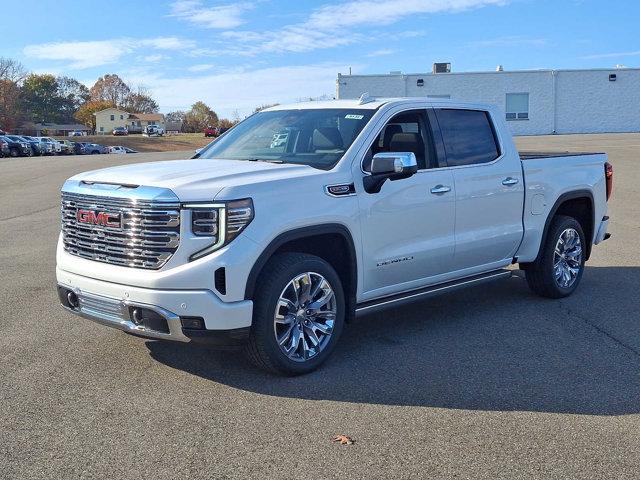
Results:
x,y
389,166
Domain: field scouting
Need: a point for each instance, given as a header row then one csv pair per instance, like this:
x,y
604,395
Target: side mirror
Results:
x,y
389,166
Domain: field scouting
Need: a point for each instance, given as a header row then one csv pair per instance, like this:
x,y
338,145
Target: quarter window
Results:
x,y
468,135
517,106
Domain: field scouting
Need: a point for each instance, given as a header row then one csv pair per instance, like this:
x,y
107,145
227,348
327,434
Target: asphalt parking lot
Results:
x,y
491,382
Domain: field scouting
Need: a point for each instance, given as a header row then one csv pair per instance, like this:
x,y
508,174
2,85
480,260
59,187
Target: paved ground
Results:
x,y
488,383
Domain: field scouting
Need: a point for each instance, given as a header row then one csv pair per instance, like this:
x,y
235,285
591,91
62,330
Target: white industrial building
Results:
x,y
535,102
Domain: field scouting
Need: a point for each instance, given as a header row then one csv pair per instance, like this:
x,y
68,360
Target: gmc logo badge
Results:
x,y
104,219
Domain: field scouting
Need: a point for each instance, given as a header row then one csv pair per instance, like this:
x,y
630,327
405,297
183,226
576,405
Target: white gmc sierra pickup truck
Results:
x,y
303,216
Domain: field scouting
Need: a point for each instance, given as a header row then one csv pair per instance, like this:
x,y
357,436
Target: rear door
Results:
x,y
489,189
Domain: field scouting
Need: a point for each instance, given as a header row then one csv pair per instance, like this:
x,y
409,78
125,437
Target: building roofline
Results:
x,y
490,72
111,108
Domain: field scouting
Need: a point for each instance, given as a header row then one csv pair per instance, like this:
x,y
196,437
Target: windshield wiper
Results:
x,y
273,160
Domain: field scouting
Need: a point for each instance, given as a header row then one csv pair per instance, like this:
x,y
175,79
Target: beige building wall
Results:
x,y
107,120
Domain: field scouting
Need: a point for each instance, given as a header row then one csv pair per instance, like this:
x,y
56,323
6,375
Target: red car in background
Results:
x,y
211,132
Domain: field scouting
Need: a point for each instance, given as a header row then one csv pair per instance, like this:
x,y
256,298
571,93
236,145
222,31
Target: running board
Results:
x,y
422,293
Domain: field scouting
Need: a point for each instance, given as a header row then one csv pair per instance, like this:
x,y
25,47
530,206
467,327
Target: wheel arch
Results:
x,y
317,240
573,204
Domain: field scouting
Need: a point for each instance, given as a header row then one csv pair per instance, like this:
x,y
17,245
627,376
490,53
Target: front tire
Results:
x,y
558,270
299,312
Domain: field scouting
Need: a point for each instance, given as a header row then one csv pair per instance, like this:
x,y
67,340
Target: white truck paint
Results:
x,y
427,213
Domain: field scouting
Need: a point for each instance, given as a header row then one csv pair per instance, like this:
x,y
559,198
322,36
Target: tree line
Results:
x,y
44,98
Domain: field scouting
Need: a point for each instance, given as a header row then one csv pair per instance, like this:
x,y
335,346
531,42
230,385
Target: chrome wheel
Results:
x,y
567,258
305,316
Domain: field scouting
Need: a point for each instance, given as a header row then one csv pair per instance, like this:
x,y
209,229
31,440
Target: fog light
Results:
x,y
194,323
72,298
136,316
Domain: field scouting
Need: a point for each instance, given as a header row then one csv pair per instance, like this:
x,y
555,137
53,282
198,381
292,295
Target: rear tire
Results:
x,y
298,315
14,152
558,270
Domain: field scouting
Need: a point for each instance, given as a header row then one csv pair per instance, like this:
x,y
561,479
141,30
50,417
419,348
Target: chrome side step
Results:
x,y
422,293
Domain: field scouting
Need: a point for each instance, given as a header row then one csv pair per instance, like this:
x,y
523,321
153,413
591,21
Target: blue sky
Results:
x,y
240,54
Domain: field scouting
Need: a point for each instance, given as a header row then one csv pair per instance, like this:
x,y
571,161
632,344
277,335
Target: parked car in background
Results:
x,y
21,139
47,147
76,133
211,131
34,143
130,150
53,148
117,149
67,147
153,131
95,148
4,147
120,131
17,146
78,148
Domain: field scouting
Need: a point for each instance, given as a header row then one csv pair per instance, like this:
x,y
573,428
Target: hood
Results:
x,y
197,179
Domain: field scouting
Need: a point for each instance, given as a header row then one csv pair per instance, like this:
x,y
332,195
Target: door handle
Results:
x,y
510,181
439,189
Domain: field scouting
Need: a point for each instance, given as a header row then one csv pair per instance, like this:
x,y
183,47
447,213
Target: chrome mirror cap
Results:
x,y
394,163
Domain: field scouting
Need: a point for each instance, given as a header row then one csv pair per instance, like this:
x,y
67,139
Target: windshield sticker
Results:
x,y
354,117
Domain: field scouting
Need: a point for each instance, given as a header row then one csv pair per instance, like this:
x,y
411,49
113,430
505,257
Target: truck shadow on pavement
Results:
x,y
496,347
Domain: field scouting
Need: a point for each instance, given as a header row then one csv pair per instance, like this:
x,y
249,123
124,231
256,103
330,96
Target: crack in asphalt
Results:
x,y
605,333
28,213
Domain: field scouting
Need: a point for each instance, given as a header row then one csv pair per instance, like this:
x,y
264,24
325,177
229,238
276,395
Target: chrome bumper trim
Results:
x,y
114,313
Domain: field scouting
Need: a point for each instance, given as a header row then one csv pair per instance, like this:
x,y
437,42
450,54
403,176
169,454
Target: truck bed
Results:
x,y
532,155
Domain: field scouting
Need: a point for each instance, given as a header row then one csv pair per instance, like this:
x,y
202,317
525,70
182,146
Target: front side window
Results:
x,y
517,106
468,136
405,132
315,137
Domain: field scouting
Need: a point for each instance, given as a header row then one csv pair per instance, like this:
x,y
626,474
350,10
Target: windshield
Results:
x,y
317,138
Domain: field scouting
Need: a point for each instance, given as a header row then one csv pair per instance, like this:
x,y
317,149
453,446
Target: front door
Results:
x,y
407,227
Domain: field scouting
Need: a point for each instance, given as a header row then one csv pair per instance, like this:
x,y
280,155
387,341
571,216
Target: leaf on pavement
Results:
x,y
343,439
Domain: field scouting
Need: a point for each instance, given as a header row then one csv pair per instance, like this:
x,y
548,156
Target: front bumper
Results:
x,y
168,311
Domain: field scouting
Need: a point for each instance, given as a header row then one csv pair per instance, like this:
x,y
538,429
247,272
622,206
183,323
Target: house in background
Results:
x,y
110,118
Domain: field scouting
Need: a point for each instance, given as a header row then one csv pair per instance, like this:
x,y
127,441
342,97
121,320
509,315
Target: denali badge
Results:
x,y
105,219
393,260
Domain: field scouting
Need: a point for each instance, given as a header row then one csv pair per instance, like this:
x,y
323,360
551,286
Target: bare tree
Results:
x,y
11,70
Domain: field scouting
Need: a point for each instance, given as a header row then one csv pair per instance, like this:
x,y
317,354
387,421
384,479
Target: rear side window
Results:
x,y
468,136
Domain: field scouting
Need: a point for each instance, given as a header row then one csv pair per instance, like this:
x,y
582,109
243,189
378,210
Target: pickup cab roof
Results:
x,y
372,103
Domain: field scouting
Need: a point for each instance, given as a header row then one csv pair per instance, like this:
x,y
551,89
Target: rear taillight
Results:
x,y
608,175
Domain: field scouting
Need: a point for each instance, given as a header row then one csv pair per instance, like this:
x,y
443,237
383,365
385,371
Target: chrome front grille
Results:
x,y
148,236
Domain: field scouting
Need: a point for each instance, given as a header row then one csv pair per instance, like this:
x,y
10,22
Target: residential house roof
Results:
x,y
147,116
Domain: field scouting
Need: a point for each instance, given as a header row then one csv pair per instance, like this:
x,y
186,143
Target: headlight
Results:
x,y
222,222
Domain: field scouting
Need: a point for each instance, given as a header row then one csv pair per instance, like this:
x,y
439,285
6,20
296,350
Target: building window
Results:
x,y
113,117
102,129
517,107
121,117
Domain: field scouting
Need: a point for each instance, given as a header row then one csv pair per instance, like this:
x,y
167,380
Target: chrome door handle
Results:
x,y
438,189
510,181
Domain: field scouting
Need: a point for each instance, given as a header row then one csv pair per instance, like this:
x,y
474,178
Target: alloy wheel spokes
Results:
x,y
567,258
305,316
